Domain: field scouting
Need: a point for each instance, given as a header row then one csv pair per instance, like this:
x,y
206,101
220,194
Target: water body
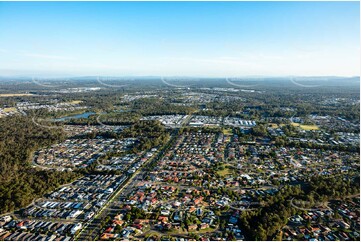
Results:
x,y
76,116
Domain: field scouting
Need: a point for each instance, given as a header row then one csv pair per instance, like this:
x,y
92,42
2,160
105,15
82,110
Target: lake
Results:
x,y
76,116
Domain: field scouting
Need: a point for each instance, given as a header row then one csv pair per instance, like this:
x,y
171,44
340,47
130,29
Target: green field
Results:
x,y
15,94
75,102
224,172
9,109
273,125
306,127
227,131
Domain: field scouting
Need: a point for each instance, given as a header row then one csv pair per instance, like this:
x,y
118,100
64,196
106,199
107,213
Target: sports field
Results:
x,y
15,94
306,127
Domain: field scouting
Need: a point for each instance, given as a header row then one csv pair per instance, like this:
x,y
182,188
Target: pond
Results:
x,y
76,116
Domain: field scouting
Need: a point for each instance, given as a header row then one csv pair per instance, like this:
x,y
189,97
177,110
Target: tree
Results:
x,y
261,234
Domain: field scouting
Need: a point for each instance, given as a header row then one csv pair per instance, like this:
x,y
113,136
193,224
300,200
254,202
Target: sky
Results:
x,y
215,39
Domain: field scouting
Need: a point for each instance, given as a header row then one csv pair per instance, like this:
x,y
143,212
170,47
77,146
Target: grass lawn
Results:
x,y
227,131
309,127
75,102
306,127
224,172
153,233
208,230
273,125
9,109
15,94
176,231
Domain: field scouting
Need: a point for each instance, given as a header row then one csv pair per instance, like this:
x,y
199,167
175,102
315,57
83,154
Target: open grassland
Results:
x,y
227,131
224,172
306,127
75,102
273,125
276,126
7,110
15,94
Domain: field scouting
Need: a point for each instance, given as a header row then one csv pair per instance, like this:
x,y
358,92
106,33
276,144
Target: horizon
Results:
x,y
177,76
194,39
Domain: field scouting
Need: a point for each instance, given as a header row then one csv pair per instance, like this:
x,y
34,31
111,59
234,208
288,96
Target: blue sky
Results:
x,y
180,38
